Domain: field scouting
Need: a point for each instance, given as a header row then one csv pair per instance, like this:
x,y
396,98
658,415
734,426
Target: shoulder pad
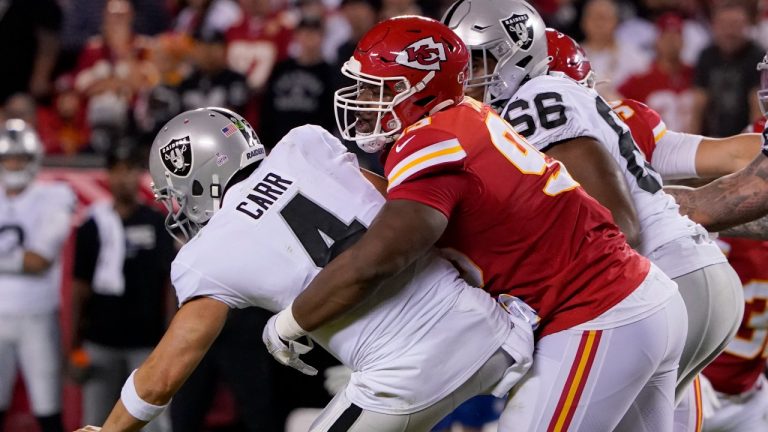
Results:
x,y
422,149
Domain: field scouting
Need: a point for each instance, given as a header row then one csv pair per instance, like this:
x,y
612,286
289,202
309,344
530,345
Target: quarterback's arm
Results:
x,y
402,232
184,344
717,157
728,201
591,165
42,248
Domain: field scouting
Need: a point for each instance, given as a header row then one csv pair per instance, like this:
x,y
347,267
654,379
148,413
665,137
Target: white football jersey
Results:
x,y
37,220
547,110
306,203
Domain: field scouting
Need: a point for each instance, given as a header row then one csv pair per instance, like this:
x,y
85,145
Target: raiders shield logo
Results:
x,y
177,156
519,30
424,54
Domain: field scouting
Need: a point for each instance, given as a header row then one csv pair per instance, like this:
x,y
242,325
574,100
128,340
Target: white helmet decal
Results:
x,y
424,54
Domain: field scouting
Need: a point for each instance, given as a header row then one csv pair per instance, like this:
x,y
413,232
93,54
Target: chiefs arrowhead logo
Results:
x,y
519,29
424,54
177,156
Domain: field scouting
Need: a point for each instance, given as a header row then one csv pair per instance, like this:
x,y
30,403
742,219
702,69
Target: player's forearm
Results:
x,y
755,230
728,201
718,157
120,420
403,232
192,331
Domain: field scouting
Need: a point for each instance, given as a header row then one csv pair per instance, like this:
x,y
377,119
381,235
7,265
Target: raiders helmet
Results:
x,y
17,138
192,160
509,31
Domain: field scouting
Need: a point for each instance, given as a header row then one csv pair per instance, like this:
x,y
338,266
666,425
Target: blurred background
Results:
x,y
97,77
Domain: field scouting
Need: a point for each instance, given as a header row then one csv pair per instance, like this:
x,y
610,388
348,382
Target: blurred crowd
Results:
x,y
90,74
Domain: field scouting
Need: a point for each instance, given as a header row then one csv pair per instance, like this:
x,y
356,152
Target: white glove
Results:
x,y
336,378
286,353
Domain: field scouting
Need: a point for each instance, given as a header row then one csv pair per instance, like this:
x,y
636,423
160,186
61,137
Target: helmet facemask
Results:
x,y
352,106
178,225
762,94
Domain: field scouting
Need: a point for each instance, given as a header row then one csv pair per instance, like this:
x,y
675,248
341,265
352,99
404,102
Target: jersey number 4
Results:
x,y
319,231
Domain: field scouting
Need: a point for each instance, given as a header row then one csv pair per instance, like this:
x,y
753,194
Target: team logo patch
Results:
x,y
519,30
177,156
424,54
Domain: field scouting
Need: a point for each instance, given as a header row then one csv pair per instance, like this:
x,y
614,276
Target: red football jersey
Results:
x,y
737,369
645,124
256,44
518,223
669,94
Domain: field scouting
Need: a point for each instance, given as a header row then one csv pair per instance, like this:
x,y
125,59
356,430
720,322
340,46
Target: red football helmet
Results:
x,y
405,68
762,94
567,58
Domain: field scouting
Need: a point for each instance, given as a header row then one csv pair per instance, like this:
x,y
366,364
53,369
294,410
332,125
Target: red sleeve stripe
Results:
x,y
435,154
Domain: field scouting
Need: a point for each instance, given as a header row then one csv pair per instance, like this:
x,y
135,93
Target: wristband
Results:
x,y
12,262
135,405
286,326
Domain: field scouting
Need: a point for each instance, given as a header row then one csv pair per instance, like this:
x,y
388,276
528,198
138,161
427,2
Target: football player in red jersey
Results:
x,y
516,223
574,124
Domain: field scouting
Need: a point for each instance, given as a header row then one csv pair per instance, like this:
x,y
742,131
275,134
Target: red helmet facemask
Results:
x,y
405,68
568,59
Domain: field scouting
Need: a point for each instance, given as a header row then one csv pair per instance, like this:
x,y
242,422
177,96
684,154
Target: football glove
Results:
x,y
287,352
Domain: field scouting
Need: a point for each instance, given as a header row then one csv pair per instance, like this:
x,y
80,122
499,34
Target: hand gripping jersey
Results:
x,y
37,220
517,222
738,368
306,203
548,110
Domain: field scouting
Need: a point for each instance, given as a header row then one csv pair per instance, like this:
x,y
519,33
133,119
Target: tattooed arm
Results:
x,y
728,201
755,230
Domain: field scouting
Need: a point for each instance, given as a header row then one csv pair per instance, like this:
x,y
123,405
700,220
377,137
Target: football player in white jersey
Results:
x,y
34,223
261,229
576,126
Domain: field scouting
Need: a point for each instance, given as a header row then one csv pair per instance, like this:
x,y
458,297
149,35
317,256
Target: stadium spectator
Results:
x,y
211,82
83,20
111,70
255,44
613,61
361,16
205,16
337,29
666,85
120,288
28,39
301,89
62,126
725,81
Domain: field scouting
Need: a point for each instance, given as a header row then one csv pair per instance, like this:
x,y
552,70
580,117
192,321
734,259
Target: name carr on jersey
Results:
x,y
263,195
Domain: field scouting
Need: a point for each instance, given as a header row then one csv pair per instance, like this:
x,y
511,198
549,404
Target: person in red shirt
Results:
x,y
666,85
515,222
